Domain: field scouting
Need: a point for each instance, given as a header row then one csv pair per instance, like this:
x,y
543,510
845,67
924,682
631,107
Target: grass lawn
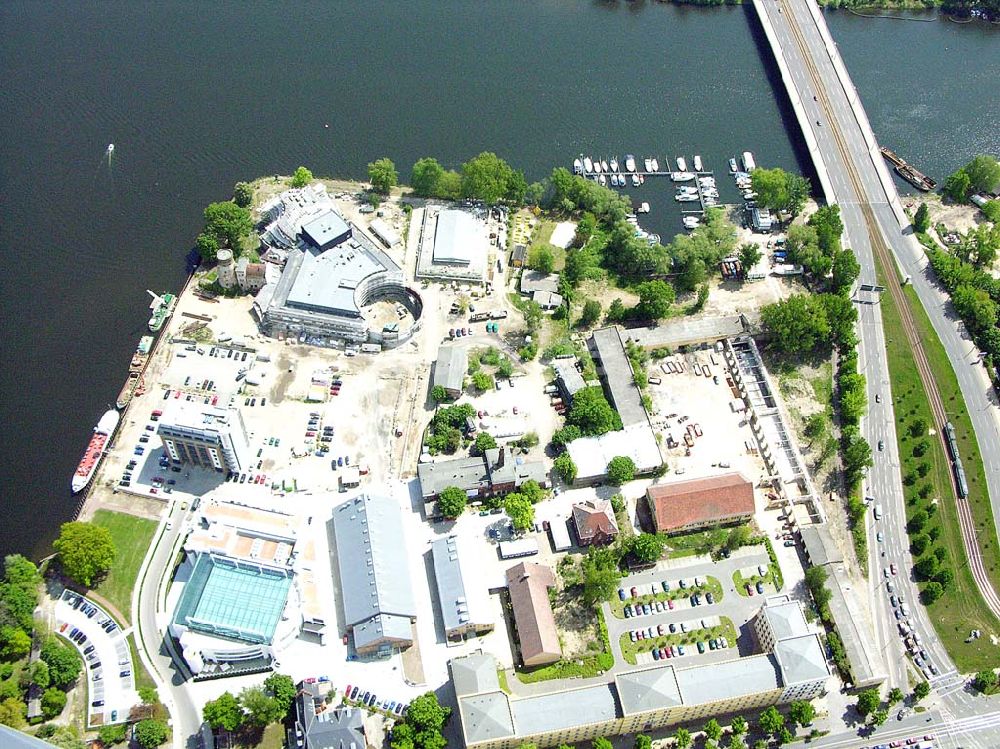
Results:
x,y
272,737
687,639
961,608
142,677
712,585
542,237
700,542
132,537
741,582
581,666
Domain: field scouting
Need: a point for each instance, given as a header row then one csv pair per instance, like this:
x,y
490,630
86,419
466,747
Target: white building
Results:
x,y
204,435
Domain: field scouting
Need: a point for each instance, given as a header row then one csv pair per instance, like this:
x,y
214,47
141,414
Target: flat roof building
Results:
x,y
326,230
615,371
528,585
204,435
449,369
568,378
690,504
494,473
454,245
592,454
462,595
374,572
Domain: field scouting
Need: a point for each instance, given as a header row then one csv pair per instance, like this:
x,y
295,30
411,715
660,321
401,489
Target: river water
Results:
x,y
197,96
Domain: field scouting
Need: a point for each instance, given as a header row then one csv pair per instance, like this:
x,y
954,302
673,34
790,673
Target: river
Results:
x,y
198,96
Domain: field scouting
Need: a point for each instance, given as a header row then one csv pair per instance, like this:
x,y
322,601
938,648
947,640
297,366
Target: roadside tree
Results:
x,y
771,721
801,712
224,712
86,551
150,733
922,218
868,701
985,681
921,690
53,702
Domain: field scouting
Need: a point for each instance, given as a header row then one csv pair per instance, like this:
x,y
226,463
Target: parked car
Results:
x,y
621,594
760,587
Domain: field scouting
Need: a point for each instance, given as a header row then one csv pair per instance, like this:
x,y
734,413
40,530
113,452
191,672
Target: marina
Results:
x,y
692,187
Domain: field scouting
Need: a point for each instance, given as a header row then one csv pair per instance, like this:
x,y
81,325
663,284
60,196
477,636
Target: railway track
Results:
x,y
885,258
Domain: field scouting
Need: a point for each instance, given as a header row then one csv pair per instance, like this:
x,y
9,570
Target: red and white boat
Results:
x,y
95,450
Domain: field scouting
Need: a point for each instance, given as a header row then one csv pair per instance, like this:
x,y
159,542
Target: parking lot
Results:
x,y
106,657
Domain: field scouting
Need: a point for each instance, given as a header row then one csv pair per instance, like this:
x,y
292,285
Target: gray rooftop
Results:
x,y
652,689
13,739
449,369
867,666
609,352
687,331
820,546
457,236
326,228
535,280
785,619
326,281
474,673
559,710
373,563
486,716
801,659
711,682
471,473
569,375
334,728
458,606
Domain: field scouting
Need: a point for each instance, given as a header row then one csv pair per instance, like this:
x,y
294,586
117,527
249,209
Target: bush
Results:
x,y
565,467
115,734
53,702
150,733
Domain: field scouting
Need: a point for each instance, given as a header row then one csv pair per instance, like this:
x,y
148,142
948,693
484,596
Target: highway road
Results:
x,y
186,716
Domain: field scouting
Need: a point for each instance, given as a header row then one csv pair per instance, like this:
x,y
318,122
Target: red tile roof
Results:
x,y
595,517
678,504
528,584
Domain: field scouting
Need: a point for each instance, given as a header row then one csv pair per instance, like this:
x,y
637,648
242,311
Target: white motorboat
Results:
x,y
604,166
111,148
642,179
691,222
681,176
648,164
597,166
629,162
588,165
732,166
698,167
681,164
706,181
748,163
577,166
655,164
686,197
614,165
602,179
643,208
749,194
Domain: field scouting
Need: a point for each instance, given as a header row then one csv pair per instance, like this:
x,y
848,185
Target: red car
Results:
x,y
749,590
892,567
670,604
635,593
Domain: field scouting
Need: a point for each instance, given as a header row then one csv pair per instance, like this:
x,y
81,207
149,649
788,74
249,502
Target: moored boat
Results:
x,y
655,164
643,208
691,222
698,167
162,308
629,162
635,180
908,172
614,165
95,451
602,179
748,163
604,166
681,164
588,165
577,166
681,176
732,166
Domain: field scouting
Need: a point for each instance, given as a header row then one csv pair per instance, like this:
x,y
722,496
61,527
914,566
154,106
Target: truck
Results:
x,y
479,316
498,314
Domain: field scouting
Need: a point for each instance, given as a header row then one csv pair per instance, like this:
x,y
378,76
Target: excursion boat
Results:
x,y
162,307
908,172
614,165
629,162
681,164
577,166
588,165
95,451
697,164
681,176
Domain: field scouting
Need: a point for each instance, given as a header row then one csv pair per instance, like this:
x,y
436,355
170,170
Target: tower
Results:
x,y
226,270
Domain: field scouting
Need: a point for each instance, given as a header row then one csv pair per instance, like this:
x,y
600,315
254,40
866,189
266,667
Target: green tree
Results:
x,y
53,702
38,674
426,177
260,707
565,467
489,178
207,246
801,712
737,538
616,311
918,544
647,547
439,394
113,734
682,738
601,743
520,510
383,175
531,490
148,695
983,173
224,712
771,721
590,315
926,567
282,689
301,177
797,324
482,381
426,713
592,413
879,717
12,712
451,502
921,690
86,551
484,441
957,186
868,701
931,592
922,218
771,186
505,368
150,733
713,730
642,741
895,696
621,470
243,194
944,577
845,269
540,258
739,725
749,255
992,211
228,223
985,681
14,643
63,662
655,300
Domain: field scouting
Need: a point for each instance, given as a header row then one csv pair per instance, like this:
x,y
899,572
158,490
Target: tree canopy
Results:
x,y
520,510
621,469
301,177
427,714
600,574
592,413
565,467
243,194
226,223
86,551
261,708
150,733
224,712
797,324
383,175
451,501
489,178
655,300
63,662
647,547
780,190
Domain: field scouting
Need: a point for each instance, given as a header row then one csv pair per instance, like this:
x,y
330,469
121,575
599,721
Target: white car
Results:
x,y
885,571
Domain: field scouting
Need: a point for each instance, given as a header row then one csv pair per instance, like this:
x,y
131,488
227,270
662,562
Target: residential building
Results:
x,y
204,435
462,595
547,300
322,726
533,281
528,586
781,628
595,522
569,380
697,503
250,276
374,572
492,474
450,368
